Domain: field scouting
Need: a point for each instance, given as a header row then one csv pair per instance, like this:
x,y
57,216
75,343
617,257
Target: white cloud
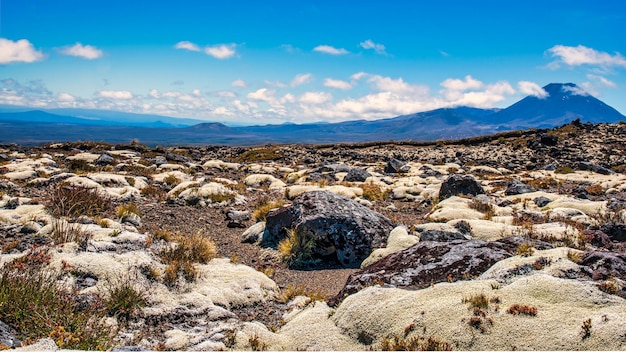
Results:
x,y
357,76
116,94
187,46
85,51
66,97
301,79
337,84
578,90
532,89
19,51
461,85
397,86
315,98
327,49
602,80
221,51
582,55
278,84
154,94
378,48
262,94
239,83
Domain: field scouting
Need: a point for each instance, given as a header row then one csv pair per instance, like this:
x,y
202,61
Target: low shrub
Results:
x,y
526,249
171,180
122,298
37,306
517,309
477,301
73,201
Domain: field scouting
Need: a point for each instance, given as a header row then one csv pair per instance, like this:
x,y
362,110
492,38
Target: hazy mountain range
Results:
x,y
564,103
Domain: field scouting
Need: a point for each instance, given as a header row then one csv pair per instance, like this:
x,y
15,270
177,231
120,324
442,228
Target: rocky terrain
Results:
x,y
505,242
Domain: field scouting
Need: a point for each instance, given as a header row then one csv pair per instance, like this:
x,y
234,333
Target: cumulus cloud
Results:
x,y
458,84
18,51
221,51
65,97
315,97
396,86
85,51
370,45
337,84
582,55
278,84
116,94
185,45
532,89
239,83
301,79
327,49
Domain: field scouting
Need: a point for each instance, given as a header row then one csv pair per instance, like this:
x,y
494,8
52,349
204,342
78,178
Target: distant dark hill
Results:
x,y
565,102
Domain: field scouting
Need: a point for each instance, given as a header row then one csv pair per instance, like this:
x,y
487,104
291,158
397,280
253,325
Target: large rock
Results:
x,y
335,224
395,166
587,166
460,184
429,262
357,175
517,187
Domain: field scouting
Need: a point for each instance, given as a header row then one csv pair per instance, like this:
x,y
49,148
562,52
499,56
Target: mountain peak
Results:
x,y
561,90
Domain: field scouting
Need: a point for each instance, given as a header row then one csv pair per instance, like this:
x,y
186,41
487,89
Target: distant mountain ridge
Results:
x,y
564,102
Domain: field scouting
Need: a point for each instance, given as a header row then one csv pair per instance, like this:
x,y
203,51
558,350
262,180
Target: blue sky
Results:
x,y
304,61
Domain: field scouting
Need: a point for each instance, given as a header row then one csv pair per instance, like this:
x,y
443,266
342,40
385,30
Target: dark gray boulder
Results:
x,y
176,157
333,224
517,187
587,166
104,159
395,166
426,263
542,201
615,230
357,175
441,236
460,184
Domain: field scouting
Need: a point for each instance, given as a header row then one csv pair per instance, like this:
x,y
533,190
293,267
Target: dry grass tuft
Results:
x,y
417,343
373,192
264,207
295,249
64,232
526,249
123,210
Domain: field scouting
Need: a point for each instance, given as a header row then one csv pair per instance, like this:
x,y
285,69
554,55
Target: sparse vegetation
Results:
x,y
517,309
260,154
417,343
181,256
37,306
73,201
64,232
586,329
122,298
373,192
564,170
171,180
526,249
127,209
477,301
574,256
292,291
222,197
264,207
295,249
256,344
